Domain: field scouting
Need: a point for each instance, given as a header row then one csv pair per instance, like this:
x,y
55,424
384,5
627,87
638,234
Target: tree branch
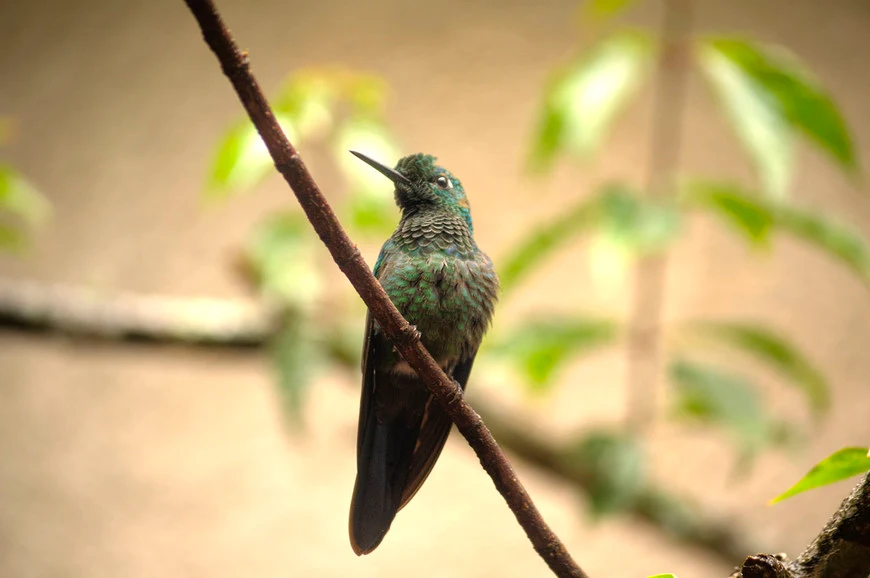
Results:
x,y
841,550
346,255
643,338
201,322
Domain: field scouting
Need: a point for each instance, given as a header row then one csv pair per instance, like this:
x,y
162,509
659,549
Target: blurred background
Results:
x,y
179,357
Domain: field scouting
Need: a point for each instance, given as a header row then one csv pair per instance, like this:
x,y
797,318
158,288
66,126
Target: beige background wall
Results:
x,y
127,462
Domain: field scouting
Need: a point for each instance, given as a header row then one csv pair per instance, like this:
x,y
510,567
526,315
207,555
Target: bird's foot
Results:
x,y
412,329
457,393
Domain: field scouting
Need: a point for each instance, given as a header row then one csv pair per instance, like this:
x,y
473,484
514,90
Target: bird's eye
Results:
x,y
443,182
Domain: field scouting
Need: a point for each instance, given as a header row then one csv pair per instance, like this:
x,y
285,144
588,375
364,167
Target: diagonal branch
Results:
x,y
346,255
229,323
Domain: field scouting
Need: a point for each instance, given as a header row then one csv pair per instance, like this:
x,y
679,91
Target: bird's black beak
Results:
x,y
391,174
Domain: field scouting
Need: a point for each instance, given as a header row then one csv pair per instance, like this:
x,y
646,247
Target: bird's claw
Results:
x,y
457,393
415,332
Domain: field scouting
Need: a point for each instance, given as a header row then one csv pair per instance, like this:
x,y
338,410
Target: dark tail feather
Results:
x,y
381,476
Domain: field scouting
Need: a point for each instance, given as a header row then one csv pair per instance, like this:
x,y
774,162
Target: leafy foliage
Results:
x,y
21,207
538,349
768,96
840,465
296,360
281,254
714,395
622,220
618,469
756,219
751,218
342,107
606,9
583,98
775,351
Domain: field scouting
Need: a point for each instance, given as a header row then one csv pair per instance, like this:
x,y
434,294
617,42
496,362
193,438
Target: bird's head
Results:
x,y
421,184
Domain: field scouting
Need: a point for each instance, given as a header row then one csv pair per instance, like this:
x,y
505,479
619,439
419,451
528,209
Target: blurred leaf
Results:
x,y
605,9
840,465
306,99
366,94
295,359
540,348
534,248
242,159
281,252
801,98
775,351
819,230
10,238
713,395
583,98
811,226
641,225
618,467
372,208
755,115
20,198
664,576
735,206
627,226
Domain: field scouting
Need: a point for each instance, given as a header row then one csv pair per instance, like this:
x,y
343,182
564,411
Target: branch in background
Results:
x,y
346,255
652,505
841,550
242,324
90,313
643,339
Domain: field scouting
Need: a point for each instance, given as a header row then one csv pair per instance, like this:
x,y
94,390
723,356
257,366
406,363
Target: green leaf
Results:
x,y
840,465
371,207
20,198
543,241
281,253
713,395
11,238
802,99
605,9
822,232
242,159
583,98
756,117
618,470
752,215
629,226
775,351
540,348
295,360
736,207
306,99
641,225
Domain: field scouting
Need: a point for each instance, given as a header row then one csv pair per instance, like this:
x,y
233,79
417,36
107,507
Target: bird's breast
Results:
x,y
448,298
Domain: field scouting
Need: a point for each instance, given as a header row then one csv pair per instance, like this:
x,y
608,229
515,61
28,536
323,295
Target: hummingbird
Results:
x,y
446,287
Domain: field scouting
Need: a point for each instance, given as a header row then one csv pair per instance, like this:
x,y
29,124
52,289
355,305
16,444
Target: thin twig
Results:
x,y
288,162
643,340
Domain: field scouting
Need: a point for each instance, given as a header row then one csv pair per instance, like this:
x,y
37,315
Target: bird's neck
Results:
x,y
419,227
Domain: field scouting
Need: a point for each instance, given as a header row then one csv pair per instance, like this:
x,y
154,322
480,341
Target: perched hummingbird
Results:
x,y
444,285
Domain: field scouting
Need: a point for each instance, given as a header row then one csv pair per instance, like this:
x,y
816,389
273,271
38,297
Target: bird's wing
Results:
x,y
434,430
